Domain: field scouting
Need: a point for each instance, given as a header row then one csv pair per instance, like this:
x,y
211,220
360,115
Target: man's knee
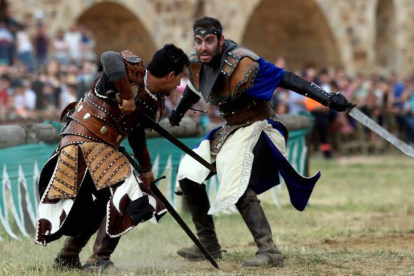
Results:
x,y
190,187
248,196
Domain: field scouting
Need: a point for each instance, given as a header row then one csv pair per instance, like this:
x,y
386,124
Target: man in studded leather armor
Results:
x,y
87,185
249,150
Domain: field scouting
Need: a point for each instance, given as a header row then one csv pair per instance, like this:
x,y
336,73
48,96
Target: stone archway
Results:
x,y
296,30
116,28
385,42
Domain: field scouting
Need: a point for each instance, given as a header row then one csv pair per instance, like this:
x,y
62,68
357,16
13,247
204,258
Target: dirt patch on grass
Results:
x,y
371,242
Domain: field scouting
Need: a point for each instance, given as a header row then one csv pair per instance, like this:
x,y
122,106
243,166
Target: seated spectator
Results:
x,y
6,45
41,46
52,76
68,94
4,96
408,109
24,48
60,48
49,110
86,77
87,44
73,38
24,99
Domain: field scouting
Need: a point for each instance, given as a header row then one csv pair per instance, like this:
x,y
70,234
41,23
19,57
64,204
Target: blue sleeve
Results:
x,y
267,80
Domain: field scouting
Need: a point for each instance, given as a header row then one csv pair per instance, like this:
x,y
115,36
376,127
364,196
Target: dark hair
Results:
x,y
324,71
5,77
167,59
208,23
16,83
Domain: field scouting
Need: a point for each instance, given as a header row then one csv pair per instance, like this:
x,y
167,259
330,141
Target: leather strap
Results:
x,y
124,88
87,118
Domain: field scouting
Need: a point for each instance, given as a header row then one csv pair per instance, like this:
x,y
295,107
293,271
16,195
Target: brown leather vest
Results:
x,y
97,120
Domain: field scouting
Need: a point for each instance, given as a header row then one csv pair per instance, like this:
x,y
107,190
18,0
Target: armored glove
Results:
x,y
189,98
338,102
175,117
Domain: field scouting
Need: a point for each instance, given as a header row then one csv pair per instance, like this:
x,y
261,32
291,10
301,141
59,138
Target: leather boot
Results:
x,y
68,256
198,204
103,248
250,209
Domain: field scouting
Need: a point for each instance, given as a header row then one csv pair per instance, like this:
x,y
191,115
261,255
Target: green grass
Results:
x,y
359,222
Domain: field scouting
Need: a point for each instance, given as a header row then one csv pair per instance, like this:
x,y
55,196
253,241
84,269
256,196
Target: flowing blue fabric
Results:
x,y
300,188
267,80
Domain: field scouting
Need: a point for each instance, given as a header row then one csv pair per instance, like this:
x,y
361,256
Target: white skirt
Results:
x,y
234,163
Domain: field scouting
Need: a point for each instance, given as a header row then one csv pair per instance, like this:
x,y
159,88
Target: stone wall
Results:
x,y
361,35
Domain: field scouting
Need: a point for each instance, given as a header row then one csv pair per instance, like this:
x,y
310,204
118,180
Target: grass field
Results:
x,y
360,221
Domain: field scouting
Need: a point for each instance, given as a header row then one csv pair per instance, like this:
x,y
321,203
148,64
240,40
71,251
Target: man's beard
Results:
x,y
215,57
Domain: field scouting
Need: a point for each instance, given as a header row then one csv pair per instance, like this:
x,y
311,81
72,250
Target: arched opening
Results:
x,y
116,28
385,34
296,30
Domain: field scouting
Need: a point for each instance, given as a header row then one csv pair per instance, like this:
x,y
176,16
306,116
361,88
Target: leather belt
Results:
x,y
255,111
86,117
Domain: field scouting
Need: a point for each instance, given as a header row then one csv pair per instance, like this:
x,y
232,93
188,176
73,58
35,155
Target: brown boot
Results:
x,y
68,256
62,262
268,255
197,201
192,253
100,259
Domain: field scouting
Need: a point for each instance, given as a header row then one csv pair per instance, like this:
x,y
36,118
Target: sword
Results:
x,y
369,123
163,132
171,209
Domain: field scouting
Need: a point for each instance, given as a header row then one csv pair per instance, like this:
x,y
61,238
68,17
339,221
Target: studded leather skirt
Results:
x,y
236,118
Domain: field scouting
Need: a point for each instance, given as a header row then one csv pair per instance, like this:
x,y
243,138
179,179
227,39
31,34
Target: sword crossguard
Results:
x,y
350,108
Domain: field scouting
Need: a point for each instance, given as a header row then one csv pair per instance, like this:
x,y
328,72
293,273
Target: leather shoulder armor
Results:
x,y
240,68
193,69
234,57
239,72
135,72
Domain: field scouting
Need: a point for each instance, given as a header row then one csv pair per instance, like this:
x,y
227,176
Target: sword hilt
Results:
x,y
349,109
114,96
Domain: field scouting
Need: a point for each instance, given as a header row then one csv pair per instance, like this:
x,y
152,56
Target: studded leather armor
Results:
x,y
238,72
98,119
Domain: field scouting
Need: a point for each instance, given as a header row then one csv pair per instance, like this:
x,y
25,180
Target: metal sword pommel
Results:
x,y
114,96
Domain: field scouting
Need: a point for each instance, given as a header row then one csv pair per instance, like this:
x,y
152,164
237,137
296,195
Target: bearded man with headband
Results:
x,y
249,150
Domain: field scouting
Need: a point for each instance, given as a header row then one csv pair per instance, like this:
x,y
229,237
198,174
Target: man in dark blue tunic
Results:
x,y
249,150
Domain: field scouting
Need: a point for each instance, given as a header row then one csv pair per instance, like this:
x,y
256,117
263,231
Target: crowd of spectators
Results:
x,y
388,100
41,73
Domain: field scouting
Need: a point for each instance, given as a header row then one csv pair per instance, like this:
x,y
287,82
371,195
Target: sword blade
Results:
x,y
171,209
163,132
183,225
369,123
